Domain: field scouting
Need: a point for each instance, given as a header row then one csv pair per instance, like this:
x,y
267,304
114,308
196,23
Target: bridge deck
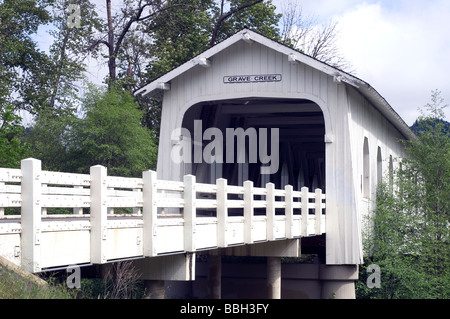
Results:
x,y
164,217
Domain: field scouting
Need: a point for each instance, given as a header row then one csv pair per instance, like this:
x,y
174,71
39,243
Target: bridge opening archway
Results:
x,y
301,148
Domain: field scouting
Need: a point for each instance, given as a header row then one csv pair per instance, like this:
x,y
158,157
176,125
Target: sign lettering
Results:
x,y
252,78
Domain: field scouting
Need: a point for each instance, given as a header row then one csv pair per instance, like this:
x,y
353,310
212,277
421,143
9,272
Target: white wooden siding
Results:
x,y
348,117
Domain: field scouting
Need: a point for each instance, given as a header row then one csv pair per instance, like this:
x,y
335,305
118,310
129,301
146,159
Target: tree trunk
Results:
x,y
111,55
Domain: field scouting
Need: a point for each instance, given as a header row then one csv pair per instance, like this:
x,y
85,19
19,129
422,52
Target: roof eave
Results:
x,y
156,87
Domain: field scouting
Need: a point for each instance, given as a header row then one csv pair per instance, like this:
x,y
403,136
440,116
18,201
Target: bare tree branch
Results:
x,y
223,17
315,40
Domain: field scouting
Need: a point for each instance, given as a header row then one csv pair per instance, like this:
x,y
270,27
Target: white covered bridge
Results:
x,y
37,239
92,232
335,137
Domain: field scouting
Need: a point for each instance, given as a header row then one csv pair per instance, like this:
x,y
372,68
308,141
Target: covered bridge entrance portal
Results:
x,y
296,151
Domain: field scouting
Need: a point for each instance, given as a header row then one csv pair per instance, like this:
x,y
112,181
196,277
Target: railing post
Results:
x,y
270,211
318,211
305,201
189,213
98,215
222,212
289,210
31,214
248,212
2,209
149,212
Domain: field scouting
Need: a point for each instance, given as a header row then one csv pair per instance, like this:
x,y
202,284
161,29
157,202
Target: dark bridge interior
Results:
x,y
301,140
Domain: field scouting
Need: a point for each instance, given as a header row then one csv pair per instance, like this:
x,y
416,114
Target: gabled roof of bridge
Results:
x,y
293,55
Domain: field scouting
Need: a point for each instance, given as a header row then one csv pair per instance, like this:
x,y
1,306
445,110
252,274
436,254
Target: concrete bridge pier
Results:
x,y
274,277
155,271
214,277
155,289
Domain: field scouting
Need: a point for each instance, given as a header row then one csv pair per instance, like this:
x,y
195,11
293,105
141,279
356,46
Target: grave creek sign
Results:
x,y
252,78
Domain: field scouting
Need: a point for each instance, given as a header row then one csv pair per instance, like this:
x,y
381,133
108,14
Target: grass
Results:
x,y
121,281
15,286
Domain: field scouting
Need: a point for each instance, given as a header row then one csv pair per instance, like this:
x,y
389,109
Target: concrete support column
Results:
x,y
274,277
154,289
214,277
338,281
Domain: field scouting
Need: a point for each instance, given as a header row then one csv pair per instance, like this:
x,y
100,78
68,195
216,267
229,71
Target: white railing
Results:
x,y
168,216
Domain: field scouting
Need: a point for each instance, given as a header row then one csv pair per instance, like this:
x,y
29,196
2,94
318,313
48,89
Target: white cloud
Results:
x,y
403,52
400,47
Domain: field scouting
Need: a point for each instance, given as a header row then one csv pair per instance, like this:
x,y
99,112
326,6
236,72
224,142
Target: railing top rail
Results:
x,y
10,175
74,189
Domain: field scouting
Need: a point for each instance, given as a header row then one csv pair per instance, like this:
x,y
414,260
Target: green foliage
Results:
x,y
409,239
65,62
13,286
12,150
183,32
178,35
52,139
261,18
20,59
109,134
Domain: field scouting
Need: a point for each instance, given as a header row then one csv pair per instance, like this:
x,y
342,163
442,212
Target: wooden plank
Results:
x,y
65,201
289,211
222,211
76,190
169,185
59,178
304,206
123,182
235,203
10,189
206,203
11,200
248,212
206,188
318,211
149,213
235,189
270,211
189,212
169,202
31,215
98,214
10,175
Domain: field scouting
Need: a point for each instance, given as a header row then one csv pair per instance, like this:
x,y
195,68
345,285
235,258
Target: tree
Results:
x,y
66,59
316,40
257,15
111,134
184,32
20,59
120,26
12,150
128,33
52,139
410,235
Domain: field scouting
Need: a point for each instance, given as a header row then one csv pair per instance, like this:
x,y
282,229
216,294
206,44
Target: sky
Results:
x,y
400,47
